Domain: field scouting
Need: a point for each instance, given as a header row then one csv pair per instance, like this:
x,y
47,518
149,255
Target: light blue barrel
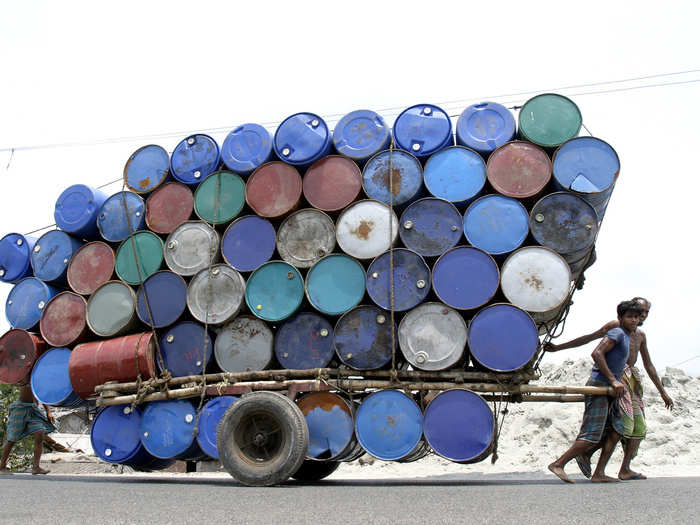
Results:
x,y
147,168
121,215
329,418
167,430
430,226
456,174
335,284
194,159
423,129
209,418
50,381
301,139
274,291
411,282
496,224
485,126
15,254
406,181
246,148
26,302
51,255
360,134
77,209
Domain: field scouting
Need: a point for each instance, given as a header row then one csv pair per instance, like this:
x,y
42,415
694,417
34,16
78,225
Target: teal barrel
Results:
x,y
549,120
335,284
274,291
133,267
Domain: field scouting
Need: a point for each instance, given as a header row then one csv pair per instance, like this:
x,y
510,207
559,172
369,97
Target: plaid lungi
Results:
x,y
600,413
632,405
24,420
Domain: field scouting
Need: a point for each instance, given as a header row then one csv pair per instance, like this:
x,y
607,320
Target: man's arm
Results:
x,y
598,356
584,339
49,416
651,370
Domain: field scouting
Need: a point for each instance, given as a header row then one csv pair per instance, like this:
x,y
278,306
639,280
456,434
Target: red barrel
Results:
x,y
64,320
519,169
168,207
90,267
121,359
273,190
19,350
332,183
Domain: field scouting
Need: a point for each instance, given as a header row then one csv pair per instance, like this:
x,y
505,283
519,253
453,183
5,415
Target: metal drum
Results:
x,y
168,207
77,209
15,254
161,299
362,230
133,267
406,177
456,174
329,418
51,254
243,345
423,129
50,382
248,242
186,348
304,342
332,183
111,310
116,224
220,198
496,224
191,247
215,296
465,278
273,190
146,169
19,350
362,338
484,127
274,291
502,338
64,321
360,134
433,336
90,267
389,425
245,148
194,159
209,418
430,227
167,430
519,170
335,284
305,237
549,120
411,282
26,301
301,139
459,426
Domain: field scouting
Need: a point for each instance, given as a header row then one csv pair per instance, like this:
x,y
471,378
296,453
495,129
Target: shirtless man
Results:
x,y
632,404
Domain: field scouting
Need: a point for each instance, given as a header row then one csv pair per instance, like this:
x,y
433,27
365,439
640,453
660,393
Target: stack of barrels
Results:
x,y
365,246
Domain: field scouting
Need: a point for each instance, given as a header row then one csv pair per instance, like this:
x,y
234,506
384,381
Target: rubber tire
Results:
x,y
315,470
294,436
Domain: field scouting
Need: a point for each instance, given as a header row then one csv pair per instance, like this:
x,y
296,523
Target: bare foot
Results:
x,y
559,472
631,475
39,470
604,479
5,471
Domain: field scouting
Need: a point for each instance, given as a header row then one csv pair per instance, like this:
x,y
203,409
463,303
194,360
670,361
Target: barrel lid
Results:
x,y
26,301
221,208
114,224
243,345
18,352
485,127
15,252
50,382
362,338
332,183
168,207
304,341
191,247
274,291
167,427
116,433
274,189
51,254
465,277
456,174
64,319
146,168
330,422
586,165
301,139
305,237
209,419
411,282
430,226
362,229
161,299
335,284
519,169
246,147
111,308
215,294
360,134
564,222
133,268
181,346
406,179
423,129
549,120
194,159
91,266
248,242
496,224
76,208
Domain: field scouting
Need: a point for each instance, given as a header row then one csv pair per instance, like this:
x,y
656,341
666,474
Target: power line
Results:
x,y
686,361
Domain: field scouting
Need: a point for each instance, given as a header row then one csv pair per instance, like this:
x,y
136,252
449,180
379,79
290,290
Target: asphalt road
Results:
x,y
473,499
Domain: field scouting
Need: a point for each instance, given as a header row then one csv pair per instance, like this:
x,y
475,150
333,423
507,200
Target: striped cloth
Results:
x,y
24,420
600,413
632,405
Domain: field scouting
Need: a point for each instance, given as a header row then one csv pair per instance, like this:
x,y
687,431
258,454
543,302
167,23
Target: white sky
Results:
x,y
81,71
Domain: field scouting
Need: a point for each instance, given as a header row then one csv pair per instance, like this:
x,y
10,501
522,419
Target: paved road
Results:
x,y
473,499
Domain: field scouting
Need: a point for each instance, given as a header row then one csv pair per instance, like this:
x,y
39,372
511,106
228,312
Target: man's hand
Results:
x,y
550,347
619,388
667,401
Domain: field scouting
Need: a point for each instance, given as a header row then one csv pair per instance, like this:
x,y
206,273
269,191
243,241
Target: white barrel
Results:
x,y
363,228
215,296
245,344
305,237
191,247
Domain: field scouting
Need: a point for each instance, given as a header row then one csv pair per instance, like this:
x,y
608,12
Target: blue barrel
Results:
x,y
423,129
335,284
147,168
116,224
456,174
407,178
329,419
194,159
274,291
50,381
459,426
247,147
389,425
301,139
496,224
51,255
26,302
430,227
248,242
305,341
362,338
181,347
15,253
167,430
360,134
77,209
411,280
166,293
209,418
484,127
588,167
465,277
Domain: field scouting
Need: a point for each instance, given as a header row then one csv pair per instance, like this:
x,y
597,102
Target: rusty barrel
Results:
x,y
90,267
332,183
305,237
19,350
146,169
168,207
405,177
362,338
273,190
362,230
330,420
519,169
64,321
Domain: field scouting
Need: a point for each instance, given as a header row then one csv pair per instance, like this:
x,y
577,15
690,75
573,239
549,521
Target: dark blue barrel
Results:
x,y
147,168
194,159
248,243
484,127
411,280
77,209
423,129
181,347
459,426
167,430
430,227
301,139
116,224
362,338
407,178
166,293
360,134
305,341
465,277
15,253
496,224
329,419
389,425
51,255
50,381
456,174
588,167
335,284
26,302
209,418
247,147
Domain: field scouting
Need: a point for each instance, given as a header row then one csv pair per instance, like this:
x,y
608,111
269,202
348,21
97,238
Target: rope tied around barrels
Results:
x,y
394,373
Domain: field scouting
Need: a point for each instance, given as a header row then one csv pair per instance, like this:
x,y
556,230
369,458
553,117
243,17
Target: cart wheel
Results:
x,y
315,470
262,439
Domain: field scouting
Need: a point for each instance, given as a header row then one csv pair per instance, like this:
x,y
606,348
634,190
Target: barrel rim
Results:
x,y
94,294
74,256
221,220
535,147
125,173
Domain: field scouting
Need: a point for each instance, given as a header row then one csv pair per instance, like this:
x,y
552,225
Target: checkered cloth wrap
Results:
x,y
24,420
600,413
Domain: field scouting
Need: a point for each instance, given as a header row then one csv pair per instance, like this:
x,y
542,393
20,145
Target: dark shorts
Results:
x,y
601,413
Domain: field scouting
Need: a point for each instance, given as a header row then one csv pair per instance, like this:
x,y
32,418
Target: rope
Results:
x,y
498,426
394,373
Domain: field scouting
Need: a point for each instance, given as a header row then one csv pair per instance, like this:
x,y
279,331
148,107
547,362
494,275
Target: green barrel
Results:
x,y
549,120
148,257
274,291
231,198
